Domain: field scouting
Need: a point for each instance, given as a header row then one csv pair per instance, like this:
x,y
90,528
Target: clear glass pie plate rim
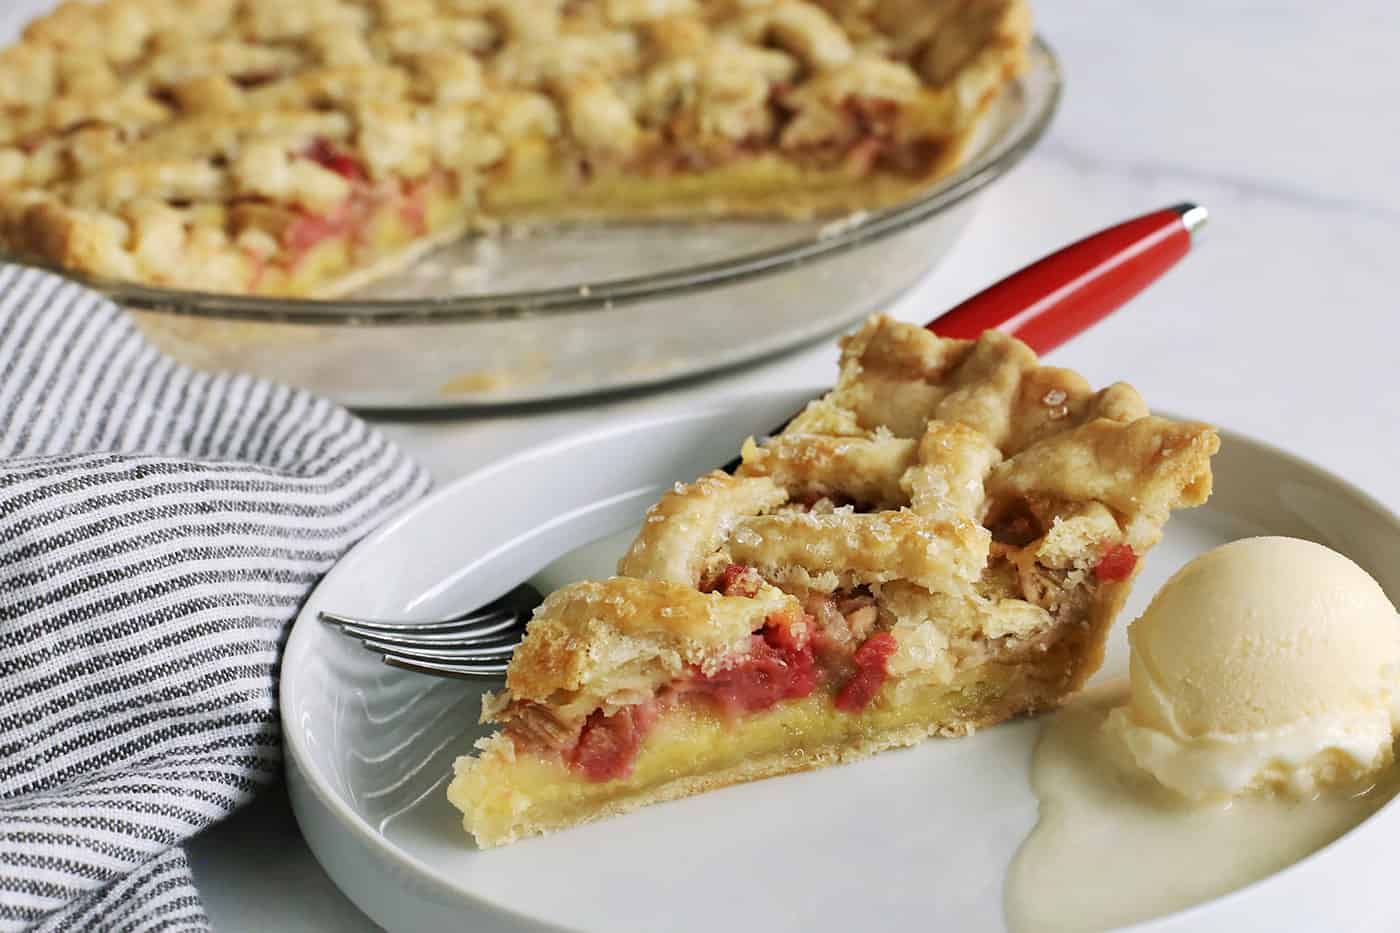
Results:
x,y
1040,85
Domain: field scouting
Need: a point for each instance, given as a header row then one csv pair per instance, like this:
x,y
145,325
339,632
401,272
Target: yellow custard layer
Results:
x,y
540,184
504,795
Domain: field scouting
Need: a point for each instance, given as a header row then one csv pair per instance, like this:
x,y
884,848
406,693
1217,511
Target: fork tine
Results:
x,y
460,633
509,637
440,669
476,644
486,615
433,625
518,603
466,653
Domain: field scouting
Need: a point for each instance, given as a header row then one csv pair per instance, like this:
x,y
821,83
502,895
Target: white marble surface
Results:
x,y
1280,116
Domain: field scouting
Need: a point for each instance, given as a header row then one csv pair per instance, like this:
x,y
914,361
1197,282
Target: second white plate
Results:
x,y
916,839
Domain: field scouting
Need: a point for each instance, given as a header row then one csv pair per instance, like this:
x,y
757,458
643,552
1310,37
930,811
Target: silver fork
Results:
x,y
474,644
1045,304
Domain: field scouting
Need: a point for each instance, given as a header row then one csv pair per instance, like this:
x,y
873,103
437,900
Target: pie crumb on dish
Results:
x,y
305,148
938,544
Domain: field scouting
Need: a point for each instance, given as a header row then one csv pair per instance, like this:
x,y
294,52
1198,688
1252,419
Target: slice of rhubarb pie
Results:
x,y
938,544
301,147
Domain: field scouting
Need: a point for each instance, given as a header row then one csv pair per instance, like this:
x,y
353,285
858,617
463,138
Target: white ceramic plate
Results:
x,y
917,839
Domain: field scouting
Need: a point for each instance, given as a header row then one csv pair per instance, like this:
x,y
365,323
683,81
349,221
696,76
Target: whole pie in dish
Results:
x,y
302,147
938,544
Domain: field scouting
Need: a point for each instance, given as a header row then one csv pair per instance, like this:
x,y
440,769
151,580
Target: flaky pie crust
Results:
x,y
957,495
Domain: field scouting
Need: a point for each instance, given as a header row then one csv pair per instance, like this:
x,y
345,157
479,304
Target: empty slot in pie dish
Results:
x,y
937,545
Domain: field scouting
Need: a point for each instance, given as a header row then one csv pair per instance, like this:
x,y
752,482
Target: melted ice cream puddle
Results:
x,y
1113,846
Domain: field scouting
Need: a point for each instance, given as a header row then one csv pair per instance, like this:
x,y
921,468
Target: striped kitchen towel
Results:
x,y
158,529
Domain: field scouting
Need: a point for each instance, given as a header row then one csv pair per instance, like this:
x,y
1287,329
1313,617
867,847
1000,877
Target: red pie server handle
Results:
x,y
1071,290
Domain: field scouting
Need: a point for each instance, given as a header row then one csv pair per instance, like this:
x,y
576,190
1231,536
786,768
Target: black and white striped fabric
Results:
x,y
158,529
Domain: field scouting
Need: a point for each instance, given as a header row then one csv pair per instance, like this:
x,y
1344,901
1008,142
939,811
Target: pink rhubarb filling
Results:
x,y
1116,565
781,664
351,217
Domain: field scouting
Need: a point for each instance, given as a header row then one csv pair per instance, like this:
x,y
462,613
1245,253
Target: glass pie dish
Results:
x,y
558,312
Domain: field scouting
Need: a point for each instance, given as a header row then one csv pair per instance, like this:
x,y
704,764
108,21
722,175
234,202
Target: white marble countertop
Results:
x,y
1280,117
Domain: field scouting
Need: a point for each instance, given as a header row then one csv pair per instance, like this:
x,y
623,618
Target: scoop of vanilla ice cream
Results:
x,y
1267,662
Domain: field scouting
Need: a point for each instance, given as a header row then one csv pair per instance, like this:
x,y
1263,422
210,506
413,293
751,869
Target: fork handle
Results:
x,y
1074,288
